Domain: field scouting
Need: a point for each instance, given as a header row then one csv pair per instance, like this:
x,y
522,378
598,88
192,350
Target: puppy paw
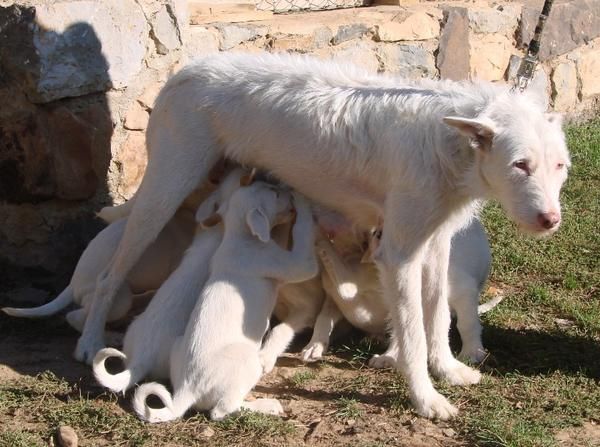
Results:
x,y
382,362
265,406
313,351
474,355
86,349
434,406
459,374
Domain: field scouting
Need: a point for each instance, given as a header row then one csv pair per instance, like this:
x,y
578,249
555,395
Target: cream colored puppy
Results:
x,y
150,337
216,362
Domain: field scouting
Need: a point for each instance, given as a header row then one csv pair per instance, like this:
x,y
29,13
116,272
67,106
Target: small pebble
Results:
x,y
207,432
66,436
449,432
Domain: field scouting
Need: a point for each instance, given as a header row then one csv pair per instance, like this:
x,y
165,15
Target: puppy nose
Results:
x,y
548,220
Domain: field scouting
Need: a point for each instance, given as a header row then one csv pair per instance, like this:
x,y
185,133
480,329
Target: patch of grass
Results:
x,y
348,408
20,439
255,425
301,378
361,350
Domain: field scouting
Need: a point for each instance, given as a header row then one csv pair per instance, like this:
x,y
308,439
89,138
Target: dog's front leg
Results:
x,y
409,223
437,314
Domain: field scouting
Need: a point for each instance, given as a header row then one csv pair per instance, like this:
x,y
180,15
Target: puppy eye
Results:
x,y
560,165
523,166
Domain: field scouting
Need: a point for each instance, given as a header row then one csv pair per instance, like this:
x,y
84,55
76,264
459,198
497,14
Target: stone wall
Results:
x,y
78,79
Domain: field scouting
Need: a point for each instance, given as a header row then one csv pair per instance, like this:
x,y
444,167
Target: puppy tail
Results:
x,y
171,410
65,298
486,307
119,382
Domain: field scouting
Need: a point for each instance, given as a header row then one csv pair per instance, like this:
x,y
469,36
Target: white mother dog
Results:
x,y
366,145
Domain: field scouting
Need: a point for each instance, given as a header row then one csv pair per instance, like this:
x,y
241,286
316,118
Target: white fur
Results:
x,y
159,260
217,362
150,337
368,146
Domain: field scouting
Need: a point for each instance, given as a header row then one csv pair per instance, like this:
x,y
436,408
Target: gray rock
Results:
x,y
233,34
410,61
65,49
570,25
453,56
349,32
165,31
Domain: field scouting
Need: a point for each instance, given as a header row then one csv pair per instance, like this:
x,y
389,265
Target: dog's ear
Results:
x,y
480,131
247,179
259,224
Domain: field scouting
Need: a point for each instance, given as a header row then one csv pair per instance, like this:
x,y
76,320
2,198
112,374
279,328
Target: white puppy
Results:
x,y
217,362
159,260
421,154
149,338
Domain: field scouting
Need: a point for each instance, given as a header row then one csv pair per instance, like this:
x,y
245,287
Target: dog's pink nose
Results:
x,y
548,220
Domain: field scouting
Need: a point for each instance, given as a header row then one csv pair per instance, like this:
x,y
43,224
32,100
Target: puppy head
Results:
x,y
212,210
262,206
521,159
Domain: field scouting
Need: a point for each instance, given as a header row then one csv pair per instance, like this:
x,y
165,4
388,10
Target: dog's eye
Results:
x,y
560,165
523,166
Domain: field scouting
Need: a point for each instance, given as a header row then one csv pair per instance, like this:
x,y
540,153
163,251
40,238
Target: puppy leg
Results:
x,y
280,338
388,359
181,159
464,301
437,315
271,407
329,316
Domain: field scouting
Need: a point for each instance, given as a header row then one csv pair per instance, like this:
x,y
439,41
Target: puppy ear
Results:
x,y
247,179
208,207
480,131
259,224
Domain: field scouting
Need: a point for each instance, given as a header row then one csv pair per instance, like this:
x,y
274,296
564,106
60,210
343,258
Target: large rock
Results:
x,y
165,31
72,48
132,157
409,60
500,19
588,65
571,24
232,35
564,86
361,54
490,55
418,26
453,56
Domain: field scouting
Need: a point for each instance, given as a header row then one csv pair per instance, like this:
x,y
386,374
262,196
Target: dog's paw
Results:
x,y
460,374
475,354
86,349
434,406
267,361
313,351
382,362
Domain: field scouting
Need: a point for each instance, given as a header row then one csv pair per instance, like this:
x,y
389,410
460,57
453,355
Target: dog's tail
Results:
x,y
119,382
110,214
486,307
65,298
173,408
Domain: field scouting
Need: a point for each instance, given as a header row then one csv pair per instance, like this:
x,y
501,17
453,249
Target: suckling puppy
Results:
x,y
216,363
159,260
149,338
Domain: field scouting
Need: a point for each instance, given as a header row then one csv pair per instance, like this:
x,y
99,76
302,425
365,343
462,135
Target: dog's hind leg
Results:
x,y
182,154
464,300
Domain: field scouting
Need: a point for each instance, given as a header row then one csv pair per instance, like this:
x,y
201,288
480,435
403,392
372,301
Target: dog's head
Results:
x,y
521,159
262,206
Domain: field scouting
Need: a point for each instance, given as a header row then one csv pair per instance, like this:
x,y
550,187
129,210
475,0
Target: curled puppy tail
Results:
x,y
119,382
65,298
173,408
110,214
